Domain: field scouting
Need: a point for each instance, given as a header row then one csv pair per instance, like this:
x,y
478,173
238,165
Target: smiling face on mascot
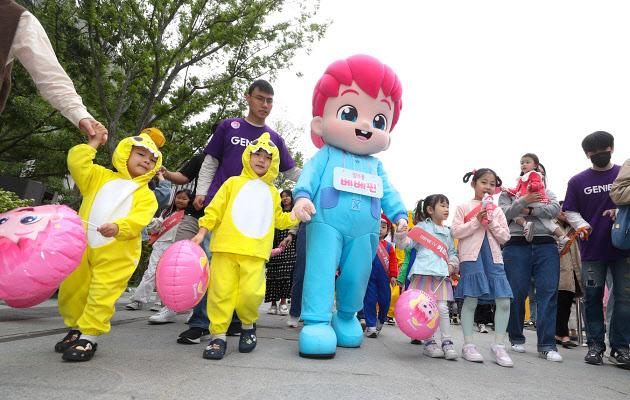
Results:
x,y
341,192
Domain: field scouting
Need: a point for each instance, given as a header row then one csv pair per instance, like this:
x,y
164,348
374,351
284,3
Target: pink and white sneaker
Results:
x,y
470,353
501,356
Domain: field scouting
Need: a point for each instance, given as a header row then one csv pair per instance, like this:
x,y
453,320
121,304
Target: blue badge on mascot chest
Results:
x,y
347,180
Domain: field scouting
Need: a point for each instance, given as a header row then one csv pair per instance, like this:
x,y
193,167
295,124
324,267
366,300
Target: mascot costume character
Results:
x,y
340,194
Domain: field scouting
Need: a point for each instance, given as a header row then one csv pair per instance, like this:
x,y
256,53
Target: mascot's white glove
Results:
x,y
303,209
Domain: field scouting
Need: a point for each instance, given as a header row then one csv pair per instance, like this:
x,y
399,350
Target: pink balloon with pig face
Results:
x,y
39,247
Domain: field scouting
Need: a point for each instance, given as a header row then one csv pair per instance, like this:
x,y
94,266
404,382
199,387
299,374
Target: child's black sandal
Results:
x,y
82,350
215,350
247,341
67,341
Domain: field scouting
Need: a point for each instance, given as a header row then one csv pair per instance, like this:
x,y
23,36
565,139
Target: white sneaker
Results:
x,y
164,316
562,243
482,328
293,322
379,326
371,332
551,355
528,231
190,314
500,355
519,348
283,309
134,305
273,310
449,350
157,306
432,350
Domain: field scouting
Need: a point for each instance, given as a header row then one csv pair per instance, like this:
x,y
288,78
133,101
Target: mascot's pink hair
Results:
x,y
369,74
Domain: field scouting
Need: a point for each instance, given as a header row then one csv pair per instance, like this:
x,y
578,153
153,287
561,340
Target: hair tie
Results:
x,y
474,171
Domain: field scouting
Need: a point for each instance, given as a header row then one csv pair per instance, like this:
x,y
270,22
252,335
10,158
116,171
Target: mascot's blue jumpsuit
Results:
x,y
343,232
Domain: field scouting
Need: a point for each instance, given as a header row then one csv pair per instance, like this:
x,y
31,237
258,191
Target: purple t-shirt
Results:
x,y
227,145
588,193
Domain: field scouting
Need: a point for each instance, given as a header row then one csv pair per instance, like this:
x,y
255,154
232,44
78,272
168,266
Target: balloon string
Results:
x,y
89,223
438,286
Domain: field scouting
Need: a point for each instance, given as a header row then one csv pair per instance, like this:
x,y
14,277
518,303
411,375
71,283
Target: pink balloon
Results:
x,y
30,301
39,248
417,314
182,275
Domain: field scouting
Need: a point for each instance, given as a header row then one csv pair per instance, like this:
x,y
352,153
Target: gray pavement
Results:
x,y
141,361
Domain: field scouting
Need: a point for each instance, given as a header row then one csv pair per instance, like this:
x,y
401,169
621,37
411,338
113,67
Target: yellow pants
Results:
x,y
88,296
392,303
237,282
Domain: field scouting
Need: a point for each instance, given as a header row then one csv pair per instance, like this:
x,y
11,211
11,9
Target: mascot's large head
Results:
x,y
356,105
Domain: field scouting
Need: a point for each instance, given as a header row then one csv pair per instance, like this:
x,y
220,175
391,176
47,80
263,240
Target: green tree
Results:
x,y
290,133
180,65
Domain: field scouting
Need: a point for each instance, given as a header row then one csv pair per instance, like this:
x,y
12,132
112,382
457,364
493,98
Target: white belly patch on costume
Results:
x,y
113,201
252,210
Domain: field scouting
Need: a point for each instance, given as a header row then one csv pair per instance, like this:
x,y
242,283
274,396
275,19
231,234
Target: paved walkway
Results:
x,y
141,361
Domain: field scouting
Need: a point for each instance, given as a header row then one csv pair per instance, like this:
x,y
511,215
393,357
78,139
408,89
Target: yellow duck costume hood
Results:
x,y
246,209
263,142
123,151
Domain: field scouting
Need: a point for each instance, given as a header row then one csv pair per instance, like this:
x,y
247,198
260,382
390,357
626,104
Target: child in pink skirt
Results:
x,y
436,259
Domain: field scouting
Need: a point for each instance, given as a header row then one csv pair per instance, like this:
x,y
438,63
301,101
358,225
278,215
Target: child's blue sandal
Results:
x,y
215,350
247,342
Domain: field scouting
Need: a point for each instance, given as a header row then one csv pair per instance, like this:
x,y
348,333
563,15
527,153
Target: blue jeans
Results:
x,y
543,263
298,272
199,318
593,281
532,301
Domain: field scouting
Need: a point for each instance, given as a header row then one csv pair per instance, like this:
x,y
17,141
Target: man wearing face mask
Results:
x,y
588,207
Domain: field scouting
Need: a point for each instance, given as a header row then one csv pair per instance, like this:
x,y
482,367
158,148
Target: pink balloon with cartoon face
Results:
x,y
39,248
182,275
417,314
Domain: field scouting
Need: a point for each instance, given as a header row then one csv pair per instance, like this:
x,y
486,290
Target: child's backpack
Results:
x,y
621,228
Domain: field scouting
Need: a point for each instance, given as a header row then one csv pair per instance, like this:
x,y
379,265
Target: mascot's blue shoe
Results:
x,y
318,341
348,329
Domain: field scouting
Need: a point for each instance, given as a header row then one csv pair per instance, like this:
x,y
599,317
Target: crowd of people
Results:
x,y
490,255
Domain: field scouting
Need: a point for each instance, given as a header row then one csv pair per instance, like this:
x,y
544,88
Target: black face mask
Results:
x,y
601,160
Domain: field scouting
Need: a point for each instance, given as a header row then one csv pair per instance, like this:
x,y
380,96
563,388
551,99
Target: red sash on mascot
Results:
x,y
383,256
429,241
166,225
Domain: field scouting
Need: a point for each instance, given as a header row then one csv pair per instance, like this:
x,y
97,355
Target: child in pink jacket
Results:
x,y
482,276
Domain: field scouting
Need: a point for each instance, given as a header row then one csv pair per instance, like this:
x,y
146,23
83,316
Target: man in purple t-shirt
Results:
x,y
588,205
223,159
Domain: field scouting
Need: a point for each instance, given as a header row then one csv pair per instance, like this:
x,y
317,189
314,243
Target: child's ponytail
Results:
x,y
418,215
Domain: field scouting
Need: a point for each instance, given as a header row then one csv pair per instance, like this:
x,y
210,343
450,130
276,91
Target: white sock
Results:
x,y
218,336
88,337
247,326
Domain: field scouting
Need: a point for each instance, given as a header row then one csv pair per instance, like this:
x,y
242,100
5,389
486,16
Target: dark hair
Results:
x,y
544,174
481,172
599,140
290,194
533,157
262,85
170,209
421,213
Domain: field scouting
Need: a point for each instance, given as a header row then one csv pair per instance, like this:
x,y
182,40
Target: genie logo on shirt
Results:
x,y
597,189
239,140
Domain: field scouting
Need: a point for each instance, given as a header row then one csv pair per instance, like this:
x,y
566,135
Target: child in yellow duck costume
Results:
x,y
116,206
243,215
